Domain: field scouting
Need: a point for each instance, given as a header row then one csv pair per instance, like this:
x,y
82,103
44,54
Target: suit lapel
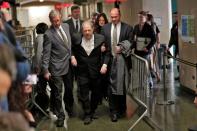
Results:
x,y
55,34
80,46
57,37
121,32
97,42
109,33
67,34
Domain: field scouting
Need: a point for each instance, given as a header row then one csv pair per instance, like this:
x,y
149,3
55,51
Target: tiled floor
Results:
x,y
175,117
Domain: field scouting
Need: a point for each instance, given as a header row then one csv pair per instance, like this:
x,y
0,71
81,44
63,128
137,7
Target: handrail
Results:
x,y
181,60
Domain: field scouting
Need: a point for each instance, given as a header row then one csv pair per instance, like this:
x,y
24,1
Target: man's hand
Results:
x,y
195,101
118,49
145,50
103,69
47,76
103,48
73,61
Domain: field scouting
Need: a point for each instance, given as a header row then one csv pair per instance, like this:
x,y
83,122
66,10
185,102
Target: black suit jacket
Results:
x,y
72,26
88,66
125,34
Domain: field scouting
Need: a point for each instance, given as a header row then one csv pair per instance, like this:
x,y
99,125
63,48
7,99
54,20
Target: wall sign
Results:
x,y
188,28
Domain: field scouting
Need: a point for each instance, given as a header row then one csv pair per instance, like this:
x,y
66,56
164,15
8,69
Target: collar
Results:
x,y
117,24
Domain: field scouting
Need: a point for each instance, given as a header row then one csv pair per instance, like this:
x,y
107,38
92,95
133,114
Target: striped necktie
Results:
x,y
114,40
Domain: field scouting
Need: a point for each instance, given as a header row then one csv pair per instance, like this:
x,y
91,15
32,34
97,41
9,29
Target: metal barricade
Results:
x,y
139,90
26,41
26,38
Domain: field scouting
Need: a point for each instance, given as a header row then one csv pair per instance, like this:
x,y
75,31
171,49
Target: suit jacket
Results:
x,y
56,55
88,66
72,26
117,76
125,34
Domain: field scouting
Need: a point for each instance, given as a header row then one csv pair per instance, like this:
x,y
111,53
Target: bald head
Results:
x,y
115,10
115,15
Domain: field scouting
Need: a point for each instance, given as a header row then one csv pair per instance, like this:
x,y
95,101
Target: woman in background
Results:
x,y
99,23
42,98
154,54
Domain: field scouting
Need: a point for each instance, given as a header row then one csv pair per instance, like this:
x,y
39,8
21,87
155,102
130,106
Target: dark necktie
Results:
x,y
114,40
77,27
63,37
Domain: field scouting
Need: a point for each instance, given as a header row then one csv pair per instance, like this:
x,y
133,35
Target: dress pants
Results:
x,y
56,94
117,103
89,102
42,98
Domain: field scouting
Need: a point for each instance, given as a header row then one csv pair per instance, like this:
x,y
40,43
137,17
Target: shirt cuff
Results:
x,y
105,65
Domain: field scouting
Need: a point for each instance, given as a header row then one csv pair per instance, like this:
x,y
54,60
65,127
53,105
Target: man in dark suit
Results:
x,y
116,32
56,64
74,22
87,60
75,27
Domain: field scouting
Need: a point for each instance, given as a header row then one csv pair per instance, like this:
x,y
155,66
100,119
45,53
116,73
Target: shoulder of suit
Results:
x,y
76,38
99,36
68,21
125,24
106,25
65,25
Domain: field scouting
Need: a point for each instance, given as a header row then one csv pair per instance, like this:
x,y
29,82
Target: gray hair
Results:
x,y
54,13
88,22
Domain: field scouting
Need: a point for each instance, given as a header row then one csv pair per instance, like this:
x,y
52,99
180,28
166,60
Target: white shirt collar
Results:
x,y
117,25
74,20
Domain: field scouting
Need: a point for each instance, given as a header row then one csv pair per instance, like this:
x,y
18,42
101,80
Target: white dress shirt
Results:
x,y
88,45
118,26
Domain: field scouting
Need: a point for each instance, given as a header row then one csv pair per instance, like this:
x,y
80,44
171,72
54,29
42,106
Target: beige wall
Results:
x,y
129,11
106,9
160,9
188,51
31,16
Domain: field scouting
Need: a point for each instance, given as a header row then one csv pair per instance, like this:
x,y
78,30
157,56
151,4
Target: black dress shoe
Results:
x,y
32,124
60,123
87,120
114,118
